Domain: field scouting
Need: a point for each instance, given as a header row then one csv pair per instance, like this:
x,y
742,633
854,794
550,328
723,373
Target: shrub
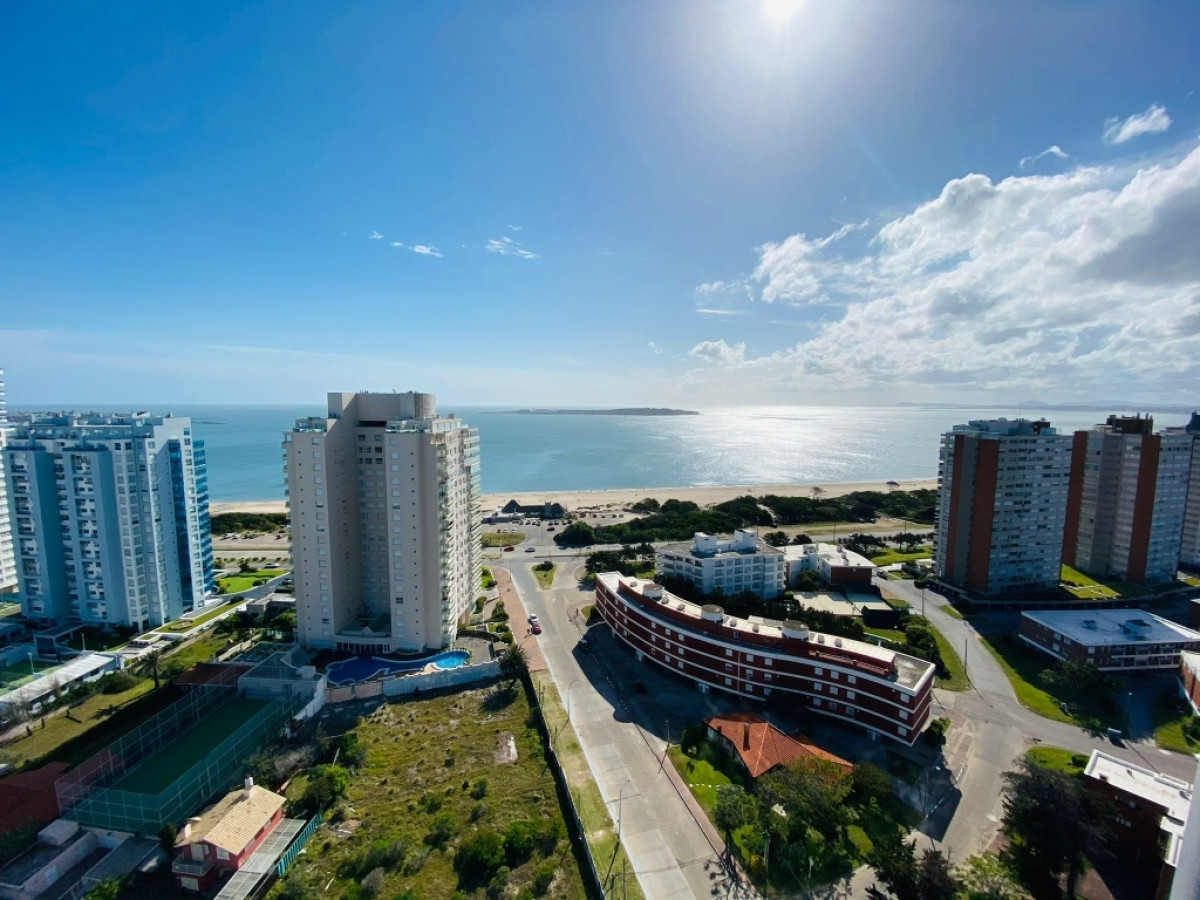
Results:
x,y
372,884
480,788
518,842
543,877
117,682
444,827
480,855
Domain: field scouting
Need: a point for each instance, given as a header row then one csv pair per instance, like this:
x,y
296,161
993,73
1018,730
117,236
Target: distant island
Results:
x,y
627,411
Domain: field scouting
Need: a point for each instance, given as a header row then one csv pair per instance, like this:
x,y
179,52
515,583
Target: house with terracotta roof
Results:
x,y
224,836
759,746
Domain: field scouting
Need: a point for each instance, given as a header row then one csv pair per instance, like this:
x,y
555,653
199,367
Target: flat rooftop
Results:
x,y
1104,627
1174,795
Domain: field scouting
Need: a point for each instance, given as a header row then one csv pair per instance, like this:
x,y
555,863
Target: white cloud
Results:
x,y
375,236
720,352
716,311
1053,150
653,347
1085,283
1153,121
506,246
514,227
422,249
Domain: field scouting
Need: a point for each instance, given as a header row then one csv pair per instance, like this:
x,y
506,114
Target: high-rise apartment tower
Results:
x,y
1189,545
8,563
1002,502
1126,503
110,518
384,500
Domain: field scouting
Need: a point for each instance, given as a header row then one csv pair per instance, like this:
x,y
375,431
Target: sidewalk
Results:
x,y
518,620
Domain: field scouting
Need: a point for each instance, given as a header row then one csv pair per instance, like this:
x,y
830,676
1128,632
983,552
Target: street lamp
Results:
x,y
620,806
32,672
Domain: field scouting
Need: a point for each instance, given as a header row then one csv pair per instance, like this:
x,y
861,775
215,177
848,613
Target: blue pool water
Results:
x,y
364,668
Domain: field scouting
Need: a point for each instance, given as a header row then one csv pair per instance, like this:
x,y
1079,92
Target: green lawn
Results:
x,y
425,760
1022,670
891,557
182,625
545,577
1024,666
197,650
235,584
73,739
502,538
155,774
1058,758
597,821
19,674
1085,587
1171,717
706,771
97,639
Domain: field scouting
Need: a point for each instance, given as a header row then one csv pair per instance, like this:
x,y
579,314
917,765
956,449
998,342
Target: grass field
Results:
x,y
501,538
432,763
1085,587
1022,671
1171,718
705,772
155,774
235,584
182,625
1058,758
891,557
545,577
957,677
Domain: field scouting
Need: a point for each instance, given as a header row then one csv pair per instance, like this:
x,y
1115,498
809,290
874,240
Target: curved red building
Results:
x,y
885,692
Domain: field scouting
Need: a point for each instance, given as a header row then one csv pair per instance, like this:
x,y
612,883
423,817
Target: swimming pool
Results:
x,y
364,668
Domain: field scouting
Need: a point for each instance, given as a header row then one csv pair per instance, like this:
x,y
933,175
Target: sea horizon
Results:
x,y
721,447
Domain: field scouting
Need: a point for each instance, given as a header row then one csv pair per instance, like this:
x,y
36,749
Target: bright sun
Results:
x,y
779,11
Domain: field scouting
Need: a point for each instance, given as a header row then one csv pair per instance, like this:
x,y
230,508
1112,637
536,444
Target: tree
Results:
x,y
870,783
735,808
577,534
799,539
895,865
935,878
150,666
986,877
325,785
776,538
812,791
1051,822
514,664
480,855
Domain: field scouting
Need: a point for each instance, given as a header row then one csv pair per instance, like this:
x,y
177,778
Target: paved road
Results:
x,y
994,730
671,853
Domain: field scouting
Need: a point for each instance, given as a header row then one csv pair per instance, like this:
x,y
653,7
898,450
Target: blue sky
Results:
x,y
554,203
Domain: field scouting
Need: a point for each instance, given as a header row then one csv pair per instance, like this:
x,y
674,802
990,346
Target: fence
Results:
x,y
594,884
89,800
293,850
403,685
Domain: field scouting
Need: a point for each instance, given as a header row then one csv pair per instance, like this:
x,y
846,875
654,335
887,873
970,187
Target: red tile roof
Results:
x,y
762,746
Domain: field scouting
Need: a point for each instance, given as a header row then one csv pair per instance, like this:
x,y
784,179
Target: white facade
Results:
x,y
735,564
384,500
824,559
8,562
1002,503
110,518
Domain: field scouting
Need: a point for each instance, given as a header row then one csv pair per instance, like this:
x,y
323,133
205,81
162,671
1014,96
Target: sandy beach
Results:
x,y
621,498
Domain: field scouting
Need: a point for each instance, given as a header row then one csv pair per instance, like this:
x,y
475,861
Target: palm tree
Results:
x,y
515,663
150,664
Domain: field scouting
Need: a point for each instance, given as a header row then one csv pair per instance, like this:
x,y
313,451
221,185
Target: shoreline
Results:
x,y
703,495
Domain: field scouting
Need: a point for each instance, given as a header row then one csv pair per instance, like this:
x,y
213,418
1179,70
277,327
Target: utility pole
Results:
x,y
767,866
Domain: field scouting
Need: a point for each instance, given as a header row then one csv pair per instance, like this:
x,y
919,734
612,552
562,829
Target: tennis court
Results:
x,y
156,773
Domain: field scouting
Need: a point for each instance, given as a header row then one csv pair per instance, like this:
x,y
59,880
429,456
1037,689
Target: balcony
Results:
x,y
190,867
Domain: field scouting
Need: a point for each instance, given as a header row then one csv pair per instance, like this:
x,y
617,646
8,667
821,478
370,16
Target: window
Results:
x,y
850,695
729,653
819,671
222,853
749,657
852,678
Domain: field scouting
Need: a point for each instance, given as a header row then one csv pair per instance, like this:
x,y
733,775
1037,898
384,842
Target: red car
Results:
x,y
534,625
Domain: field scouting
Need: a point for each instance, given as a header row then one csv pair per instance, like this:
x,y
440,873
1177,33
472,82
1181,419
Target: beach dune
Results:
x,y
624,497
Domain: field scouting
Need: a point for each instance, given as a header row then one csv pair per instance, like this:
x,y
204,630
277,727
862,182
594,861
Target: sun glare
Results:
x,y
779,11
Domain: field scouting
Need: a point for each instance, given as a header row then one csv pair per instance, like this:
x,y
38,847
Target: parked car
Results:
x,y
506,549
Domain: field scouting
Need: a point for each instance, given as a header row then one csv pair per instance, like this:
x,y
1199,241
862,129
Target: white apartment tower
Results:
x,y
384,501
1002,502
8,563
110,518
1125,510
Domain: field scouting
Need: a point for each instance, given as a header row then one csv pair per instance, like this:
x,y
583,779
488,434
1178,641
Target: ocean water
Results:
x,y
529,453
